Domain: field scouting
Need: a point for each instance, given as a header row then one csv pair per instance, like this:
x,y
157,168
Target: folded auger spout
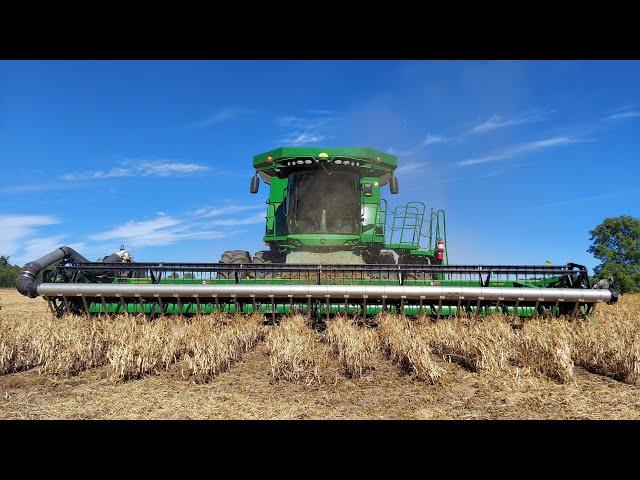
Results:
x,y
27,283
81,287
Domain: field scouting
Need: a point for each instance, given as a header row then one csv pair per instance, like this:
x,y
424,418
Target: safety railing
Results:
x,y
406,225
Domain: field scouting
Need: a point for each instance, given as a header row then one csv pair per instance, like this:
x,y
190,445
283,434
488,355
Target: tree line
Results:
x,y
615,243
8,273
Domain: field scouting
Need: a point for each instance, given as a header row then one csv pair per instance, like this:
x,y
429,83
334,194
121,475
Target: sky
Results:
x,y
525,157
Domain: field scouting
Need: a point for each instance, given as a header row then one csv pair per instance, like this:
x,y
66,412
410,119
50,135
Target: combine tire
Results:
x,y
263,257
234,256
385,258
416,261
260,258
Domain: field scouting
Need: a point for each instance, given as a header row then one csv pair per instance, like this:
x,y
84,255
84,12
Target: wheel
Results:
x,y
385,257
415,260
234,256
260,258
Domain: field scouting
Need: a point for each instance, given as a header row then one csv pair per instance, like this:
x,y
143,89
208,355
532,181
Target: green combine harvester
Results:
x,y
333,248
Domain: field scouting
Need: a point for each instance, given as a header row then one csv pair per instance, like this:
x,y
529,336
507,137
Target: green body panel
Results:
x,y
316,307
323,240
276,227
374,212
279,156
374,169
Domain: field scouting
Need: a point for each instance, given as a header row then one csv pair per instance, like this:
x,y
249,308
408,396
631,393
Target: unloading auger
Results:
x,y
333,248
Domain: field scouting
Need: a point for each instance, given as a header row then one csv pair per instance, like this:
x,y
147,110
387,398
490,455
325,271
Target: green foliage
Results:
x,y
8,273
616,243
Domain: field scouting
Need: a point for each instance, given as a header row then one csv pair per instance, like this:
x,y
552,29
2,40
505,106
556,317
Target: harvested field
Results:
x,y
226,367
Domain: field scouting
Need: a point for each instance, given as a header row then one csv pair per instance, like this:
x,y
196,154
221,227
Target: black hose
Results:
x,y
27,284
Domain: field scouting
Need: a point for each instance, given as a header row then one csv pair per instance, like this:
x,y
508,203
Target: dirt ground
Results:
x,y
247,391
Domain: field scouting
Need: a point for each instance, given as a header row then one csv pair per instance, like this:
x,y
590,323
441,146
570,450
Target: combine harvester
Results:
x,y
333,248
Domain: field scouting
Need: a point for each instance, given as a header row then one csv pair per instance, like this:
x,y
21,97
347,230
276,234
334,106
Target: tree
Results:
x,y
8,273
616,243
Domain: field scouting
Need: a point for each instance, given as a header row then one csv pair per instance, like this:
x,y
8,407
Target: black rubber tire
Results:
x,y
261,257
385,258
235,256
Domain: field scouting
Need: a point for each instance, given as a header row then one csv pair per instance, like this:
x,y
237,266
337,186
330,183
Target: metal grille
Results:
x,y
570,275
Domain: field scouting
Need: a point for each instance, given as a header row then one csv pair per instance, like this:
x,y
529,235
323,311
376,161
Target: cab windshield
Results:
x,y
323,201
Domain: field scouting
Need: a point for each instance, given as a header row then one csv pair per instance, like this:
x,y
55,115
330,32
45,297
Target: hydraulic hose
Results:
x,y
27,284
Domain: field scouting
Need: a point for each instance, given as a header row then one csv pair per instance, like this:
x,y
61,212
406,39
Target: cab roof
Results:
x,y
376,162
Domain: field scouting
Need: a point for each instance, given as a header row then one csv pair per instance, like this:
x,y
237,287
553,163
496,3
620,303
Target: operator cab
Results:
x,y
323,199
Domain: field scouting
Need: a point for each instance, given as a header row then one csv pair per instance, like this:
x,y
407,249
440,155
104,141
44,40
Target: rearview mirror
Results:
x,y
255,184
393,185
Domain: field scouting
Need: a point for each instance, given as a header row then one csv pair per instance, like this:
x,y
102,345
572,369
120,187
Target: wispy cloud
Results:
x,y
230,222
222,116
307,129
519,150
497,121
162,230
592,198
225,210
471,178
623,115
143,168
40,187
16,229
431,139
410,167
301,138
166,229
303,123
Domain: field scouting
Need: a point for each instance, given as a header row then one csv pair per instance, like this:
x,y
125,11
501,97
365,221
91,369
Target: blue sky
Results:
x,y
525,157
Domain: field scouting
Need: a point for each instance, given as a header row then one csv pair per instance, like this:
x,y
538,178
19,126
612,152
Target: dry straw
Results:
x,y
481,345
294,352
68,346
609,343
213,345
544,347
18,351
138,346
401,343
354,345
